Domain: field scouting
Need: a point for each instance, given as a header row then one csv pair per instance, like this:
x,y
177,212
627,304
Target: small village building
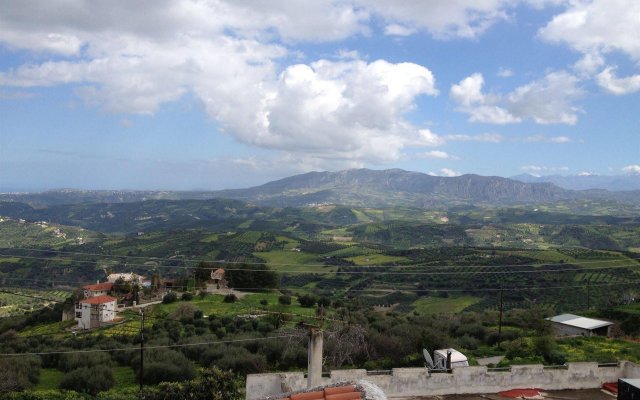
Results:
x,y
217,281
126,277
575,325
95,311
99,289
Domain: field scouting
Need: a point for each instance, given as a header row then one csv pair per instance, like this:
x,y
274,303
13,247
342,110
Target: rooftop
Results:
x,y
99,286
579,322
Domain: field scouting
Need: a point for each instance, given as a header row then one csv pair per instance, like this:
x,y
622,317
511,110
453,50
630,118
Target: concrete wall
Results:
x,y
406,382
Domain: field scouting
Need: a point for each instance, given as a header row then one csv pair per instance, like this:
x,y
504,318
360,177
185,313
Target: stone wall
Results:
x,y
406,382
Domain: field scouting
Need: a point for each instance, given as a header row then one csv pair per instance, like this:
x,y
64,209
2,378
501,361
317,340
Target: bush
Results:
x,y
164,365
89,380
285,300
169,298
307,301
19,373
264,302
71,361
230,298
187,296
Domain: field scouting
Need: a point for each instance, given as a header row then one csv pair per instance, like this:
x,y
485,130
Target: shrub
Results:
x,y
19,373
285,300
230,298
69,362
307,301
187,296
164,365
264,302
169,298
89,380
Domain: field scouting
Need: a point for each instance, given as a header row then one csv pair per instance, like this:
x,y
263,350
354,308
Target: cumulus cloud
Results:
x,y
439,154
608,80
350,108
632,169
547,139
226,55
483,137
545,101
443,19
587,26
543,168
444,172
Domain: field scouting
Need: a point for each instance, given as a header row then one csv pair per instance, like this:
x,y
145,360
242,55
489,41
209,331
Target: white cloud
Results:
x,y
443,19
504,72
587,173
619,86
546,101
553,139
350,111
484,137
597,26
542,168
345,110
449,172
439,154
446,172
398,30
632,169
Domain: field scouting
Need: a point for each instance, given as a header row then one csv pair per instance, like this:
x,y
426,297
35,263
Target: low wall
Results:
x,y
407,382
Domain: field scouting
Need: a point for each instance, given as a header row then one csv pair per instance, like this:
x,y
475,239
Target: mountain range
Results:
x,y
356,187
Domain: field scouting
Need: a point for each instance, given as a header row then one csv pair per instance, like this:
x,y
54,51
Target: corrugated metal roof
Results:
x,y
579,322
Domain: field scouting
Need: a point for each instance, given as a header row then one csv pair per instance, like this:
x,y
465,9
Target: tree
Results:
x,y
164,365
19,373
307,300
252,277
89,380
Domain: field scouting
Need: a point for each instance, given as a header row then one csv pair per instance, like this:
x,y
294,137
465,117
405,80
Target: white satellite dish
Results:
x,y
427,358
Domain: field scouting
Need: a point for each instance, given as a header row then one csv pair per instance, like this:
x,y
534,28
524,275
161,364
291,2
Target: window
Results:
x,y
78,315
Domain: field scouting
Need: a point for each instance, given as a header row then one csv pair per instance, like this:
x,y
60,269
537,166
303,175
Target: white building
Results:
x,y
575,325
94,311
126,277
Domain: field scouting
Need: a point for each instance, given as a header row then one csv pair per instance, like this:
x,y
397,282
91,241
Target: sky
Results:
x,y
215,94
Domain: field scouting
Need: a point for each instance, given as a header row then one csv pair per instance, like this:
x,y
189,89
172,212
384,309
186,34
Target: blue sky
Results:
x,y
185,94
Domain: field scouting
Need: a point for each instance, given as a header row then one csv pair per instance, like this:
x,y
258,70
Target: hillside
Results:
x,y
354,187
396,187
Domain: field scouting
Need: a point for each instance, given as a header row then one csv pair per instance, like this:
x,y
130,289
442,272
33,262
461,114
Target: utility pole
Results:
x,y
314,352
500,322
141,349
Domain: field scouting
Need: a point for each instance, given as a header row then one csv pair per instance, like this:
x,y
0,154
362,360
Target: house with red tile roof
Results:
x,y
95,311
360,390
99,289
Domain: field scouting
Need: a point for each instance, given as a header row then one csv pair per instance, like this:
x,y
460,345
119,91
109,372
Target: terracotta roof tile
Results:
x,y
99,286
346,391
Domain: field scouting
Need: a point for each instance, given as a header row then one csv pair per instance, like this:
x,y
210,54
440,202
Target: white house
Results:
x,y
99,289
94,311
126,277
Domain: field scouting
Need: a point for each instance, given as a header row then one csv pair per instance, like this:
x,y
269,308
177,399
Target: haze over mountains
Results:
x,y
358,187
586,181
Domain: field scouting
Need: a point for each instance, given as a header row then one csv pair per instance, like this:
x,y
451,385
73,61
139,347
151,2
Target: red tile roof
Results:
x,y
99,300
341,392
99,286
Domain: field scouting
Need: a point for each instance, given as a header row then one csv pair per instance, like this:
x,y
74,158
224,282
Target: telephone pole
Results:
x,y
141,349
500,322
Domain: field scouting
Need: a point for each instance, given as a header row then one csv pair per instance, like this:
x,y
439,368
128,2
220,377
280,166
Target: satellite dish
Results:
x,y
428,359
